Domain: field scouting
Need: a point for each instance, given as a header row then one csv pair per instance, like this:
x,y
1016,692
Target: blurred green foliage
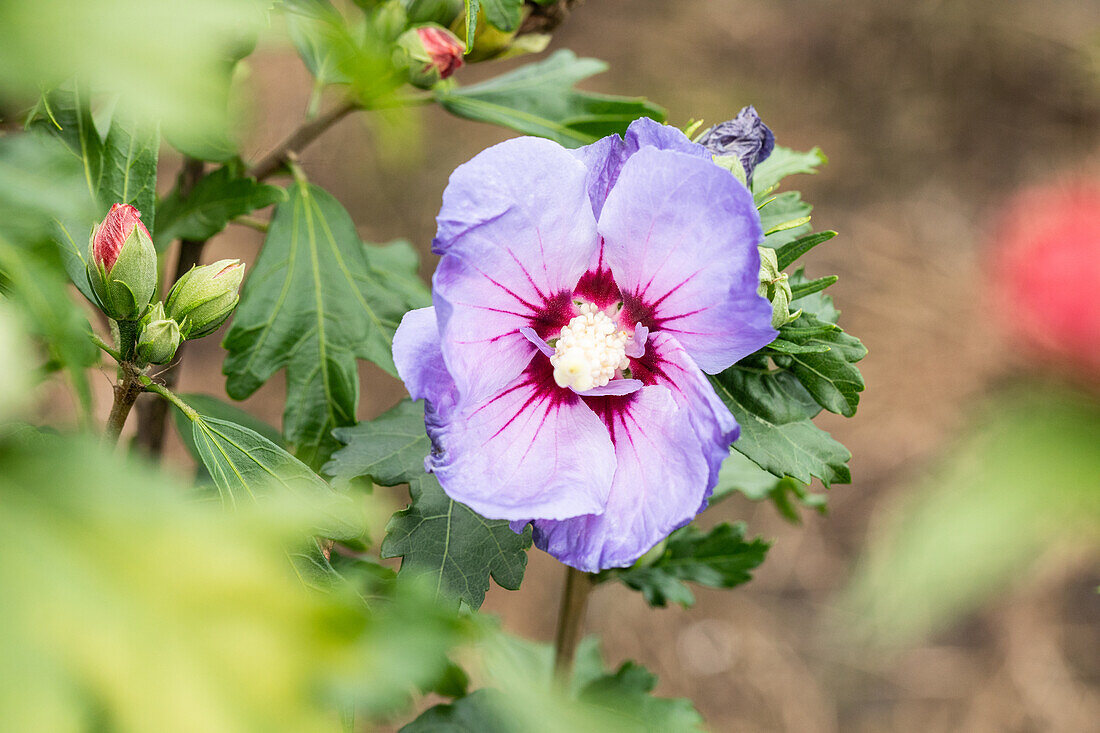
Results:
x,y
1020,480
129,607
162,59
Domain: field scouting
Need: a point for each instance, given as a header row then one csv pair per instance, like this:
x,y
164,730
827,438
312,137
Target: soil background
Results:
x,y
931,112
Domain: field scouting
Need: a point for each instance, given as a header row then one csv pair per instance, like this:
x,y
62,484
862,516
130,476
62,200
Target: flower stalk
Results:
x,y
574,603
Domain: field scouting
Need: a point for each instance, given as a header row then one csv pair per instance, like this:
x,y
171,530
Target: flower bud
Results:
x,y
122,264
745,136
160,337
774,287
203,298
434,53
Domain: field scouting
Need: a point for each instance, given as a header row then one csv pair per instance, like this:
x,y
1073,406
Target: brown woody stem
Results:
x,y
126,393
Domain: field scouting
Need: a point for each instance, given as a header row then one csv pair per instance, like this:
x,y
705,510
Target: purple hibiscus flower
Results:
x,y
580,298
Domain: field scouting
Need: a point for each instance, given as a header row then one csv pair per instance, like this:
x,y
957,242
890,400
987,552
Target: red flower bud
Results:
x,y
443,49
1047,271
111,234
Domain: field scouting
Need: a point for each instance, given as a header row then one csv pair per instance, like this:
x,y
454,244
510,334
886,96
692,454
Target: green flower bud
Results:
x,y
122,264
203,298
160,337
774,287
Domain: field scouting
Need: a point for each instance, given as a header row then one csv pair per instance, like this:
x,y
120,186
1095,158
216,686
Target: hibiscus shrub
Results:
x,y
618,334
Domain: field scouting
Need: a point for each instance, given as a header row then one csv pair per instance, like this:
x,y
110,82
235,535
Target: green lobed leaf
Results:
x,y
781,163
782,346
245,466
120,168
539,99
41,183
453,546
317,300
791,251
627,693
214,407
775,413
130,169
215,200
781,209
482,711
816,304
720,558
524,696
740,474
829,376
503,14
390,449
812,286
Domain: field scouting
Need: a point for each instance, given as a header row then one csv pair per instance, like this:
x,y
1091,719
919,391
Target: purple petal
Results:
x,y
614,387
667,363
419,360
533,450
680,236
660,480
604,158
538,341
516,234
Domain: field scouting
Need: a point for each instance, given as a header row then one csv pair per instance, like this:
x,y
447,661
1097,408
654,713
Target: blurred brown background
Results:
x,y
931,112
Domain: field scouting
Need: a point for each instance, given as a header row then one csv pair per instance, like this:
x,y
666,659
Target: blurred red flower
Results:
x,y
1047,272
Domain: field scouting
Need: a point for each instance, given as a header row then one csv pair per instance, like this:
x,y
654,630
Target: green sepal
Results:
x,y
124,291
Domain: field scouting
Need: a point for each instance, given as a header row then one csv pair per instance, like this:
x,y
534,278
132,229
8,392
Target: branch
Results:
x,y
126,393
169,396
300,138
